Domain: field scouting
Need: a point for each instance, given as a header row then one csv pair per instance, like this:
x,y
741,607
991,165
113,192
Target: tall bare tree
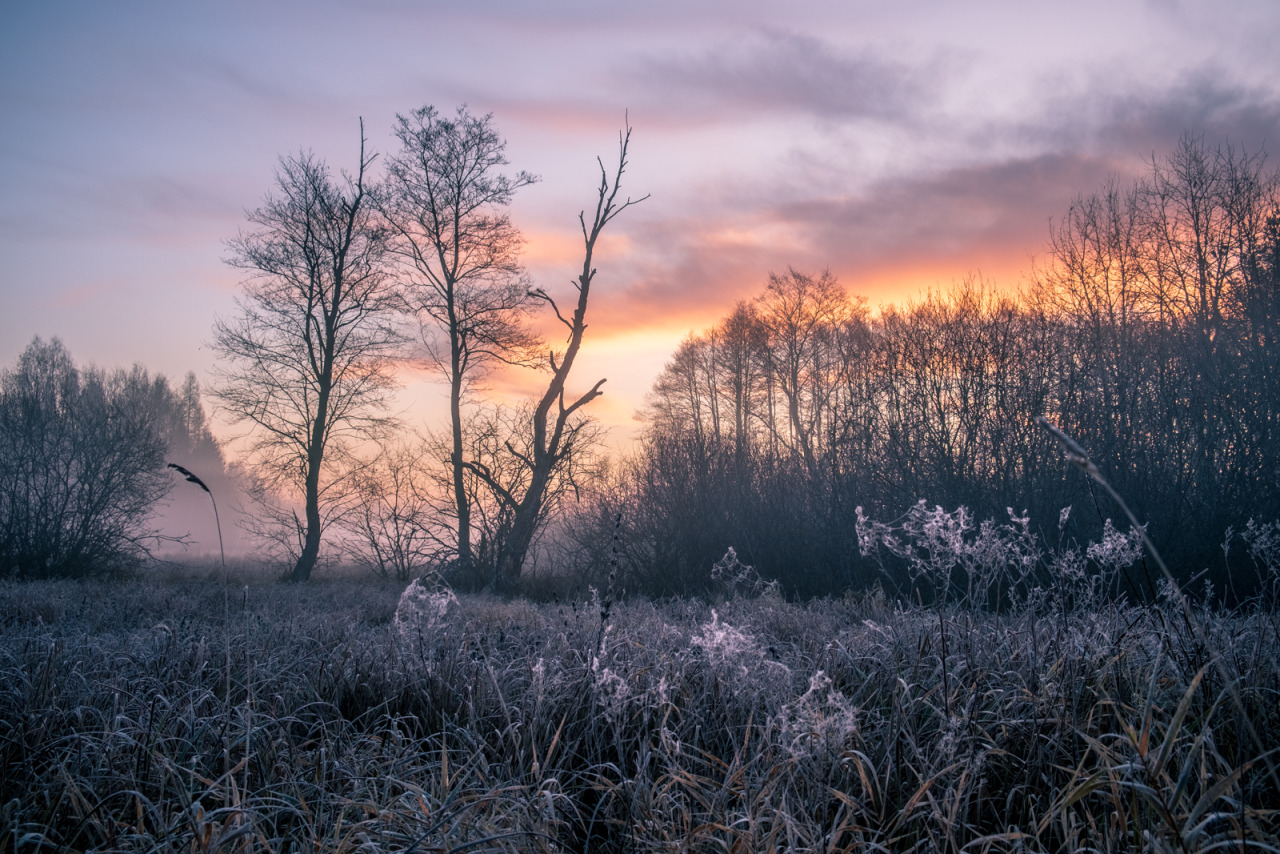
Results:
x,y
446,204
743,341
308,357
803,316
554,434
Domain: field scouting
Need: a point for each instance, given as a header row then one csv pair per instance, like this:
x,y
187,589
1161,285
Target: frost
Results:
x,y
946,550
612,693
740,580
1116,551
423,605
820,722
732,652
981,564
1263,544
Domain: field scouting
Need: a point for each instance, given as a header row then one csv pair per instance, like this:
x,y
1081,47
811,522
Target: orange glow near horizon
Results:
x,y
551,249
901,285
630,350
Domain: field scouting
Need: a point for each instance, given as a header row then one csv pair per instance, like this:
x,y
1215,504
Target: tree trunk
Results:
x,y
315,458
459,482
311,541
516,548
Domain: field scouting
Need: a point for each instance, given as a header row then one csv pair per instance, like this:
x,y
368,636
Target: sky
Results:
x,y
902,145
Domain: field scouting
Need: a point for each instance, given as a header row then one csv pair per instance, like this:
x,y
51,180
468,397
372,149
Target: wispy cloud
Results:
x,y
786,73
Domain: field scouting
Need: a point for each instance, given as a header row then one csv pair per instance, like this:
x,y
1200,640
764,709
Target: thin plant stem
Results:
x,y
1078,457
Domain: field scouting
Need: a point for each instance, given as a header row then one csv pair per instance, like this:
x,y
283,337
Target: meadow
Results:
x,y
175,712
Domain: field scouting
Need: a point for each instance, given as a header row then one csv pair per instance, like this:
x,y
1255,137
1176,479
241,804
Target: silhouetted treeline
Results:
x,y
82,461
1150,335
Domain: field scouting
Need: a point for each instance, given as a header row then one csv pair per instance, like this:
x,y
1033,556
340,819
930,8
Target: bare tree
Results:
x,y
391,528
743,340
446,203
308,358
803,316
681,397
553,439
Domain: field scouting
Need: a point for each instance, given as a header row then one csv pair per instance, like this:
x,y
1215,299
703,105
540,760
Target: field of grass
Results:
x,y
344,715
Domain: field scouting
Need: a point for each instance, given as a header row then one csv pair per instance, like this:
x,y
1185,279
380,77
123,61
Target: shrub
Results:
x,y
81,466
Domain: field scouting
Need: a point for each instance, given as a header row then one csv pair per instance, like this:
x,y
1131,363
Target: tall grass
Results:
x,y
351,716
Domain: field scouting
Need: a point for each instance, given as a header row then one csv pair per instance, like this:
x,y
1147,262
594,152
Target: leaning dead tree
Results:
x,y
554,432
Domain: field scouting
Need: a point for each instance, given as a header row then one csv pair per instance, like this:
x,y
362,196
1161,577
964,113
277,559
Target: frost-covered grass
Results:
x,y
344,716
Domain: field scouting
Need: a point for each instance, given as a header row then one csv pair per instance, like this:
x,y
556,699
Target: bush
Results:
x,y
81,466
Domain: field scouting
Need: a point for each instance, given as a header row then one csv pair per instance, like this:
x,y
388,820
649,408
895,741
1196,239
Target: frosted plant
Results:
x,y
930,541
611,691
671,744
1001,557
740,580
951,733
1072,581
660,695
820,722
731,651
937,545
1116,551
539,680
726,646
871,534
988,563
423,605
1263,544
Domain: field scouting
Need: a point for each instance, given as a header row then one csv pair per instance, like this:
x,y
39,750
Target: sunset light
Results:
x,y
650,427
901,151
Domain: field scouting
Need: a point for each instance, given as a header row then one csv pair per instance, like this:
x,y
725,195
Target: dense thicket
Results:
x,y
82,456
1150,335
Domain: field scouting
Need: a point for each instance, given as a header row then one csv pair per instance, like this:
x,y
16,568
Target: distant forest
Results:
x,y
1148,333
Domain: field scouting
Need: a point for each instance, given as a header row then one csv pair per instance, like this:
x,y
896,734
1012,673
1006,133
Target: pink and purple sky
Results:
x,y
903,145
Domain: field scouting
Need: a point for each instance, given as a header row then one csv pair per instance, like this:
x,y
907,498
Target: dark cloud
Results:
x,y
993,208
1204,102
1128,120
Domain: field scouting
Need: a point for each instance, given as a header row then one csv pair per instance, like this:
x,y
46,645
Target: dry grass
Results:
x,y
136,717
